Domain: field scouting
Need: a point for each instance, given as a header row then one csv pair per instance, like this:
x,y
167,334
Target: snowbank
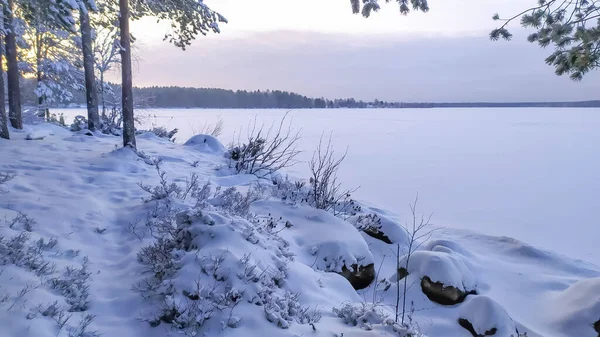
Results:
x,y
576,310
205,143
218,258
318,238
442,264
482,315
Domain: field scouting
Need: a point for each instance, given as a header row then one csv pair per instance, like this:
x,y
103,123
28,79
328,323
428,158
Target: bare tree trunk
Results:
x,y
3,121
14,91
127,81
91,93
102,97
42,112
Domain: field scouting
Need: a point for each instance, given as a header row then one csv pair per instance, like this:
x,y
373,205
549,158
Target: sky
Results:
x,y
320,49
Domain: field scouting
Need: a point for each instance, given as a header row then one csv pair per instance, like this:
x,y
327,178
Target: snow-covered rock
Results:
x,y
381,228
324,241
206,143
481,316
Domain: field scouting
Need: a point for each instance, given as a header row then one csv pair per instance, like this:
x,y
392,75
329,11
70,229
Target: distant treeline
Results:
x,y
212,98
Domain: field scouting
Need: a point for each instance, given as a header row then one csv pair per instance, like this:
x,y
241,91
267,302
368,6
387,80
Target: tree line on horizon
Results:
x,y
68,46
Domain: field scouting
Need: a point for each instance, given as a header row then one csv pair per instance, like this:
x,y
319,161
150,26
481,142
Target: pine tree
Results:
x,y
56,58
188,19
572,28
16,13
366,7
88,63
3,121
14,92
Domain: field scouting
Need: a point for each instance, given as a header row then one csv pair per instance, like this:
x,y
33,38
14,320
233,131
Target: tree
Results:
x,y
54,13
14,93
188,19
369,6
126,77
3,122
52,56
106,55
571,27
88,63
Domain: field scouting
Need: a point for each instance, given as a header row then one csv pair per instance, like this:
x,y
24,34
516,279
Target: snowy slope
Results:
x,y
266,267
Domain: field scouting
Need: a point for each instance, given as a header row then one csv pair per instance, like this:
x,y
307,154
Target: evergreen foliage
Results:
x,y
571,28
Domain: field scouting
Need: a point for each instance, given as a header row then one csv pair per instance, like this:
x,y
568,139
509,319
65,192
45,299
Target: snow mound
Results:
x,y
206,143
442,264
575,310
484,315
41,131
381,228
318,238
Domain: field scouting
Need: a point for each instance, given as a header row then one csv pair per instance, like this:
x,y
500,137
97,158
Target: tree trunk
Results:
x,y
91,93
14,91
41,110
127,81
3,122
102,97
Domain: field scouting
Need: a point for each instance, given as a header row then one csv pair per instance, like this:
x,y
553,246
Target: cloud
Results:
x,y
395,68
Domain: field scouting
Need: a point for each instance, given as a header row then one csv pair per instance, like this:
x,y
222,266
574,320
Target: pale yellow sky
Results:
x,y
334,16
319,48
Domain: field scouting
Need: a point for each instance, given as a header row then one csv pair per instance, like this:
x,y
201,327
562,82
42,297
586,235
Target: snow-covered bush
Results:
x,y
325,191
233,201
20,251
214,130
112,123
162,132
368,222
4,178
298,192
265,151
57,119
369,316
79,123
74,286
198,280
166,189
21,222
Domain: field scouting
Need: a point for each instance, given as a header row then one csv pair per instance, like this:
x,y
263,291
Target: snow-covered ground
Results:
x,y
235,260
521,173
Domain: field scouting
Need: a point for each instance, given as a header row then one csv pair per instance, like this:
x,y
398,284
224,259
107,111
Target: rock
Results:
x,y
482,316
361,277
402,273
377,234
206,143
597,327
438,293
469,327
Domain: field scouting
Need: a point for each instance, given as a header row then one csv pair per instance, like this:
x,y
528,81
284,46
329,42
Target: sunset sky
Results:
x,y
318,48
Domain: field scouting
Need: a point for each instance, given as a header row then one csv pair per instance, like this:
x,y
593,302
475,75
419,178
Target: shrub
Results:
x,y
74,286
4,178
79,123
325,191
162,132
265,151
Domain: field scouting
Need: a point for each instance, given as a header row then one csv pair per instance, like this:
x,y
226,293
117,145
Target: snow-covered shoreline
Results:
x,y
83,192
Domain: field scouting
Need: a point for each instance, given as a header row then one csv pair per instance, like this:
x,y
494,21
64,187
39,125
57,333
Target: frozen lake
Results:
x,y
532,174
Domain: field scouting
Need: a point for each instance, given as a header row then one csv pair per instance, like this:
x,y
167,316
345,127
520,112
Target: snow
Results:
x,y
315,236
454,159
260,265
484,315
575,307
441,264
206,143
